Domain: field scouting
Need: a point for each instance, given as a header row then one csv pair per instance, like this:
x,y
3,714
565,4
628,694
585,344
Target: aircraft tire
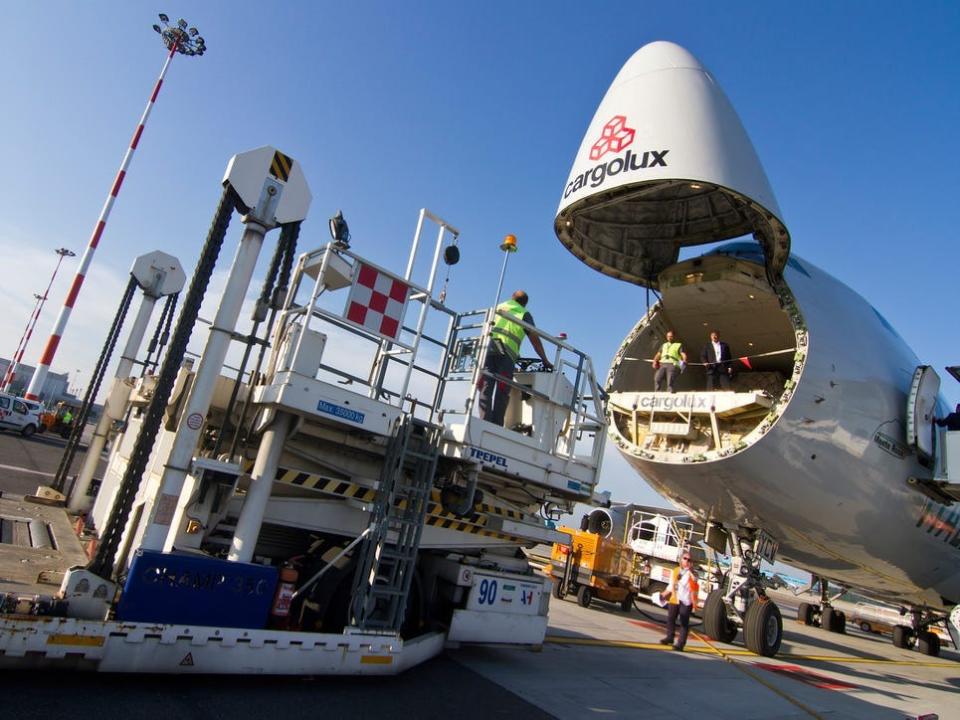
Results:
x,y
901,636
584,596
805,613
830,620
716,624
841,626
763,628
929,643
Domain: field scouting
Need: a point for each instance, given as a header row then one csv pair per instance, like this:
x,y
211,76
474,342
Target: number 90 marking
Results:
x,y
488,592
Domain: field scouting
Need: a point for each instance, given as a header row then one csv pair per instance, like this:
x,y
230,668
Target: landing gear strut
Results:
x,y
831,619
741,598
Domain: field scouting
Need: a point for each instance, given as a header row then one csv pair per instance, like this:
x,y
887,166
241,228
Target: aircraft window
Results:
x,y
885,323
795,264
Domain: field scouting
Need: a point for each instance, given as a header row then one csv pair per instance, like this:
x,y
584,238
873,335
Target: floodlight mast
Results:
x,y
178,38
11,373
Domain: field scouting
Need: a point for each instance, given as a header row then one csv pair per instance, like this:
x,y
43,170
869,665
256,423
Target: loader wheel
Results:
x,y
584,596
716,624
627,603
558,592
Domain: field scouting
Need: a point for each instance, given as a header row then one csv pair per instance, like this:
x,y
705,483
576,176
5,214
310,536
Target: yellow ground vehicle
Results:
x,y
592,566
60,419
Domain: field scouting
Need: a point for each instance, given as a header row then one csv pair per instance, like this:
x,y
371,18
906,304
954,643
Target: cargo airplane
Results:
x,y
822,451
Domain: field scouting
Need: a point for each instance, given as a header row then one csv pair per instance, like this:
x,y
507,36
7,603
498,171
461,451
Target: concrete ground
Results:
x,y
597,662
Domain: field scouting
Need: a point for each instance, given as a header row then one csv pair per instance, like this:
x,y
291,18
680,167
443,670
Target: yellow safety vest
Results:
x,y
670,352
508,332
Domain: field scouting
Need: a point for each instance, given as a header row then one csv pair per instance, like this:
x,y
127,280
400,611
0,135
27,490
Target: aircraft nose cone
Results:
x,y
656,56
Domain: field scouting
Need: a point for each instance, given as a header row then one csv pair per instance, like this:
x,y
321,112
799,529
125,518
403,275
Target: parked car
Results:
x,y
19,415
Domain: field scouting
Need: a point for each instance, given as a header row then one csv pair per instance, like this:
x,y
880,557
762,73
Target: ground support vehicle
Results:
x,y
592,566
336,509
59,419
19,415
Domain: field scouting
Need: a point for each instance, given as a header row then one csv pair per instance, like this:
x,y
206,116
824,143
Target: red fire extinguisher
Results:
x,y
280,612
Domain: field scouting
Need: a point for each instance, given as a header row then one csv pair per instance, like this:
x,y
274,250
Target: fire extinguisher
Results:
x,y
280,611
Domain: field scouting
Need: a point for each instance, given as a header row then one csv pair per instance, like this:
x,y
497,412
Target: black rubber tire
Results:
x,y
841,620
28,430
866,627
805,613
901,636
558,592
584,596
716,624
928,643
763,628
627,603
829,619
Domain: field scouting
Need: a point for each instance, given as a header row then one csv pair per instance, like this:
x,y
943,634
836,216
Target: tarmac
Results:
x,y
596,662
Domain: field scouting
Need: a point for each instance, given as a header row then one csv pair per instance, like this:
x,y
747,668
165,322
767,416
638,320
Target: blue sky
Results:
x,y
475,111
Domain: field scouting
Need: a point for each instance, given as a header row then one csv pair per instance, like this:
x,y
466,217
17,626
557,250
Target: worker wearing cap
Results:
x,y
503,353
669,362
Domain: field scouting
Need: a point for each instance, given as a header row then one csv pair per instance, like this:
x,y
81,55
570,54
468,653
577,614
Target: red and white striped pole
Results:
x,y
11,373
177,39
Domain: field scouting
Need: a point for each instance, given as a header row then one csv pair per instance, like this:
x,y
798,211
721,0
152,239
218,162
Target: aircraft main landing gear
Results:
x,y
918,635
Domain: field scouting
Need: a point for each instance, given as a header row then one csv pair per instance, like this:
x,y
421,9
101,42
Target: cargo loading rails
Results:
x,y
337,505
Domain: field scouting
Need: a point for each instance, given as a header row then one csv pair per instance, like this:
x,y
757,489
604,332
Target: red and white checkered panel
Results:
x,y
377,302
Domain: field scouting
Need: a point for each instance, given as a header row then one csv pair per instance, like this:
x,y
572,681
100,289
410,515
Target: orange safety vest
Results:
x,y
675,580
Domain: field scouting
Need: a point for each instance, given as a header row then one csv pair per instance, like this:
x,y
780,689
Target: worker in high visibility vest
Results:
x,y
670,361
682,592
502,355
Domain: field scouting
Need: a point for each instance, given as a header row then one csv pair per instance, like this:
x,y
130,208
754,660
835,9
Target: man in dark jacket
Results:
x,y
716,359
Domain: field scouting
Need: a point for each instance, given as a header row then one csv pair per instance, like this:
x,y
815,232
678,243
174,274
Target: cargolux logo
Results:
x,y
614,137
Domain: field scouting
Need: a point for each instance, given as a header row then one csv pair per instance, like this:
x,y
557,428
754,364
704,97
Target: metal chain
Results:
x,y
249,341
102,563
76,431
289,234
162,333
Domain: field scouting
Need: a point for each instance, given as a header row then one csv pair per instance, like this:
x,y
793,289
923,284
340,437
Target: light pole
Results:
x,y
11,373
176,38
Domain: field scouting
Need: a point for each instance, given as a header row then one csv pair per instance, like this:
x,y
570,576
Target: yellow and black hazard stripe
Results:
x,y
341,488
436,515
465,527
280,166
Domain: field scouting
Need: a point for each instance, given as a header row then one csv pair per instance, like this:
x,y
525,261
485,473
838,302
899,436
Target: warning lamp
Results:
x,y
509,243
564,550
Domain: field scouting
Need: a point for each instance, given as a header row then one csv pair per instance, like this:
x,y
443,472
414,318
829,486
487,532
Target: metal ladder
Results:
x,y
388,556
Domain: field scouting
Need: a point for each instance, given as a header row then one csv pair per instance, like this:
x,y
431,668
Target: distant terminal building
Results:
x,y
54,388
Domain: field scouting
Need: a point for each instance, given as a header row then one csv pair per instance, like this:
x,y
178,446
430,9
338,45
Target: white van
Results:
x,y
19,415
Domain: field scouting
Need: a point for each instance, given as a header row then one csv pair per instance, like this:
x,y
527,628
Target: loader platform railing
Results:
x,y
569,396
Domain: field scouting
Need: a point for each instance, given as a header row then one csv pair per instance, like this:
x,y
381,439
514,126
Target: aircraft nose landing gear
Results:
x,y
741,599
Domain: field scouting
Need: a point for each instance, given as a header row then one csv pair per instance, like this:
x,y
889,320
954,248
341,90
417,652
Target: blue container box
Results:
x,y
177,589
